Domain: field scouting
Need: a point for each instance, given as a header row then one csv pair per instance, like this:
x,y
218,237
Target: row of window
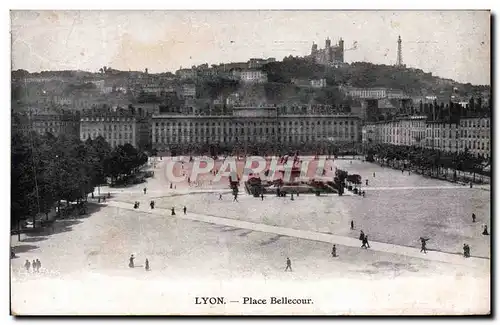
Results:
x,y
251,130
121,127
107,136
469,145
231,124
262,131
107,119
45,130
446,134
196,139
47,124
476,123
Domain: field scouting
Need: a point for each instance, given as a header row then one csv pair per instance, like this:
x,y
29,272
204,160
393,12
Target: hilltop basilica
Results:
x,y
330,55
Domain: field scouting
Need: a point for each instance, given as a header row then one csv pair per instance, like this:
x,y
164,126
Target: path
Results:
x,y
315,236
388,188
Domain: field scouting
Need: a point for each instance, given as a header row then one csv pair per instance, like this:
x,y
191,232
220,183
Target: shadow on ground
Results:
x,y
59,225
32,239
271,240
23,248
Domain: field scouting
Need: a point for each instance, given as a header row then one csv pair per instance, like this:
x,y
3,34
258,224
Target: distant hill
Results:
x,y
367,75
280,88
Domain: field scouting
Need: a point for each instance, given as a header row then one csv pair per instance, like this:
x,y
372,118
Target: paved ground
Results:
x,y
228,249
316,236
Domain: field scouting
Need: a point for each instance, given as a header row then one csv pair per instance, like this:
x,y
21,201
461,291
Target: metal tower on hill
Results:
x,y
399,62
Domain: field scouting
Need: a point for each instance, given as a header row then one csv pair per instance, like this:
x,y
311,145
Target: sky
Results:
x,y
450,44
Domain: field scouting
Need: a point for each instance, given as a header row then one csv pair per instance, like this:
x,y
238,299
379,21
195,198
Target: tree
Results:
x,y
22,181
471,103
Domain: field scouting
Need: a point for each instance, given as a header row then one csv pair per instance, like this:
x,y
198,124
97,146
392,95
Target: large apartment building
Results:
x,y
117,128
472,134
54,121
252,125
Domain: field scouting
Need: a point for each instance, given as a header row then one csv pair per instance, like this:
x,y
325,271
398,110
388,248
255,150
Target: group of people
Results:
x,y
132,265
363,238
153,203
172,211
36,265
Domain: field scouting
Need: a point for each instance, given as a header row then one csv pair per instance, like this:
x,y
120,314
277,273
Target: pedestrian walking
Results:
x,y
466,249
38,265
366,182
423,245
172,211
361,235
152,204
109,195
220,196
365,242
147,265
131,261
291,197
262,196
373,174
33,265
27,265
485,230
185,209
334,251
288,264
352,224
145,190
473,217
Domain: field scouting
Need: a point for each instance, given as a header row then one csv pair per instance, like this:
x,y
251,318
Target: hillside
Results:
x,y
414,82
280,88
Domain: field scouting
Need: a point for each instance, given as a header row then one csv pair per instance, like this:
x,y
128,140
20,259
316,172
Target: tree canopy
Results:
x,y
47,169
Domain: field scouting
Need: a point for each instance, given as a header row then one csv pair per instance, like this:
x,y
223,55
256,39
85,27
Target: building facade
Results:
x,y
117,128
253,76
318,83
186,73
188,91
55,122
252,125
442,136
475,136
472,134
258,63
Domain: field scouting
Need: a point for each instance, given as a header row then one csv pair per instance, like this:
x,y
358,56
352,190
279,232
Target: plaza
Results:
x,y
236,249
